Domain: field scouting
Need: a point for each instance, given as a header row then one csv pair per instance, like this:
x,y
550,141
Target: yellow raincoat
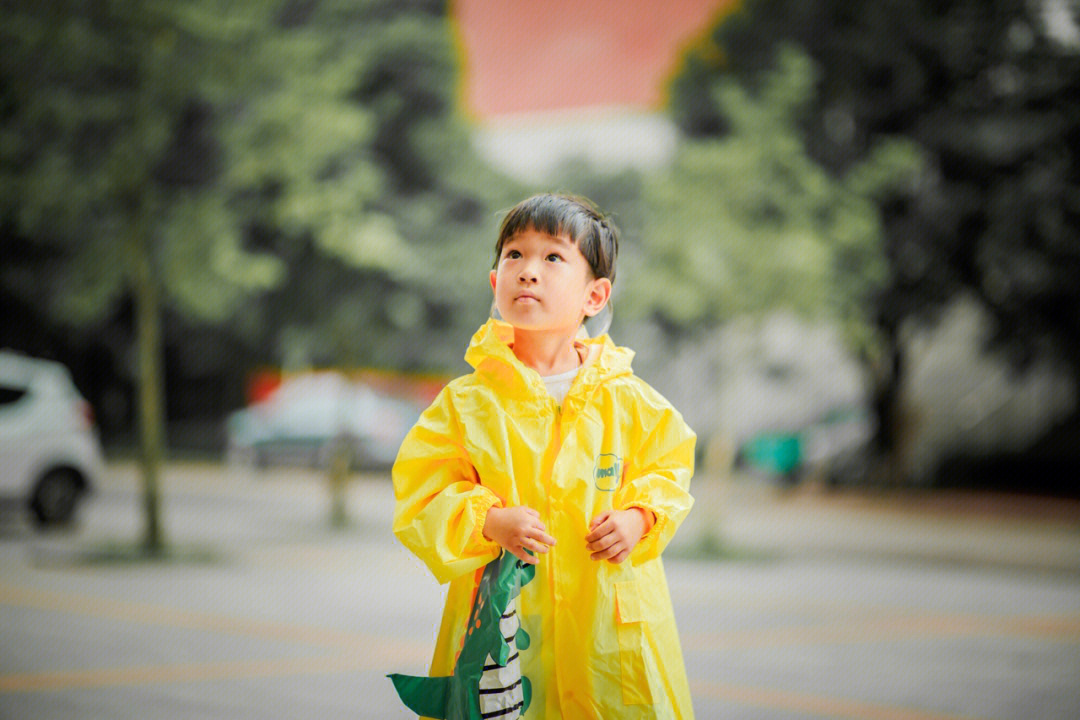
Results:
x,y
604,641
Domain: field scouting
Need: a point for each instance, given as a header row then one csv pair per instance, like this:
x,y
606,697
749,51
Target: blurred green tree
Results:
x,y
391,273
106,152
748,222
289,170
990,92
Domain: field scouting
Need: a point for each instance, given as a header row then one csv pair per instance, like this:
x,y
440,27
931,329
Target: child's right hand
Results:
x,y
518,529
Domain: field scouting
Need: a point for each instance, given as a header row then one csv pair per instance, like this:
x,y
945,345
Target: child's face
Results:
x,y
544,283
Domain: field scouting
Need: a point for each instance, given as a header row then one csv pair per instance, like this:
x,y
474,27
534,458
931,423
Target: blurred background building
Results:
x,y
546,84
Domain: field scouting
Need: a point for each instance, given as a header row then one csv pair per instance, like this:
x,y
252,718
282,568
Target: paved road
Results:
x,y
841,607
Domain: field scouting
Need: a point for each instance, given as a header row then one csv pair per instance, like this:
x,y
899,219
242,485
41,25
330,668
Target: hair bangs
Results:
x,y
565,216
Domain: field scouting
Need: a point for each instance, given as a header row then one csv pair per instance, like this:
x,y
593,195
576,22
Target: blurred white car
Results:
x,y
306,419
50,454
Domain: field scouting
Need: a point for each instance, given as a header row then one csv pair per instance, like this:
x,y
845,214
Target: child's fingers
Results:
x,y
602,543
622,555
606,527
530,511
608,553
520,554
537,547
599,519
539,535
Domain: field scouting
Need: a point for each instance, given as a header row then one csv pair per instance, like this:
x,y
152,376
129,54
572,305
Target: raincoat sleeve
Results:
x,y
658,473
440,505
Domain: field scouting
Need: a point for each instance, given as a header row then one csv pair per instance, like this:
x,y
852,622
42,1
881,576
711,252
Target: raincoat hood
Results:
x,y
491,353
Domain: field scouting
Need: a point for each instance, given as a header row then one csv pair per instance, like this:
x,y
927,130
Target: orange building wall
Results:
x,y
528,56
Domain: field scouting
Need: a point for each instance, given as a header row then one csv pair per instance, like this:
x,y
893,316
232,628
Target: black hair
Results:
x,y
576,217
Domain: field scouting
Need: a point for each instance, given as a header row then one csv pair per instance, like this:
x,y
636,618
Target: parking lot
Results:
x,y
824,606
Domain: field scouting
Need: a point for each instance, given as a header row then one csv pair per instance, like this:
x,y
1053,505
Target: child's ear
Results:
x,y
599,292
492,276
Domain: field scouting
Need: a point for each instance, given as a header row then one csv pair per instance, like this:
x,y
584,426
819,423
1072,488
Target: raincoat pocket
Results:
x,y
630,619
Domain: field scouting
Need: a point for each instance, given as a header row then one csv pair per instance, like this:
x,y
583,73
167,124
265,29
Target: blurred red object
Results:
x,y
262,385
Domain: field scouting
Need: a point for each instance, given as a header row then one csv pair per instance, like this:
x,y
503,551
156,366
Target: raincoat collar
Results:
x,y
491,354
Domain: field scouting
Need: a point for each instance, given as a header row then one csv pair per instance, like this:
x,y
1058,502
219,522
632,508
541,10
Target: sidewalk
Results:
x,y
746,517
950,526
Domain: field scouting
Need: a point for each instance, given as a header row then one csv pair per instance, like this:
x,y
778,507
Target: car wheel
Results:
x,y
55,497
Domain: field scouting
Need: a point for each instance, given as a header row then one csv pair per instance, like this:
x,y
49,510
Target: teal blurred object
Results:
x,y
778,453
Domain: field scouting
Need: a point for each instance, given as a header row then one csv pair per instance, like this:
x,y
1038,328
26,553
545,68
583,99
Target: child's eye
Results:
x,y
555,257
512,254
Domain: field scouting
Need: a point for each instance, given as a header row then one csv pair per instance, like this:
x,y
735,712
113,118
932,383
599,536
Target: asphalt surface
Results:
x,y
804,604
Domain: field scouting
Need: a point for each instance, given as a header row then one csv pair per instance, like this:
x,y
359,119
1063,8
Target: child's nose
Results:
x,y
527,274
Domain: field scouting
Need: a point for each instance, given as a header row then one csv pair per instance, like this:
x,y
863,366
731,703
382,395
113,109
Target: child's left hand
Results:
x,y
614,533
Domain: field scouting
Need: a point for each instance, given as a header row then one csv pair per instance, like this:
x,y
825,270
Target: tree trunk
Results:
x,y
151,405
893,429
337,471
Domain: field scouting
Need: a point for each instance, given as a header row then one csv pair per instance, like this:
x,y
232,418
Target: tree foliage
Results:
x,y
381,241
990,92
106,125
297,164
748,222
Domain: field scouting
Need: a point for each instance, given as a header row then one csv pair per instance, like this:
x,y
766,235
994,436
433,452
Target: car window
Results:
x,y
10,395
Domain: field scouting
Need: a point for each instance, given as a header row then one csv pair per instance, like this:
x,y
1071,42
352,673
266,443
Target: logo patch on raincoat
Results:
x,y
608,472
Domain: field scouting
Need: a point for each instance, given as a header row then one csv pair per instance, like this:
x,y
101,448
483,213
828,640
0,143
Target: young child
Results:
x,y
555,451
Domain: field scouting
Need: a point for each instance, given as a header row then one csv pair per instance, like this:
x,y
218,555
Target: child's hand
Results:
x,y
518,529
615,533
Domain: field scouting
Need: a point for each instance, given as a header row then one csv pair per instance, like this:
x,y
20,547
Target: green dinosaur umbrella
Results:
x,y
487,682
